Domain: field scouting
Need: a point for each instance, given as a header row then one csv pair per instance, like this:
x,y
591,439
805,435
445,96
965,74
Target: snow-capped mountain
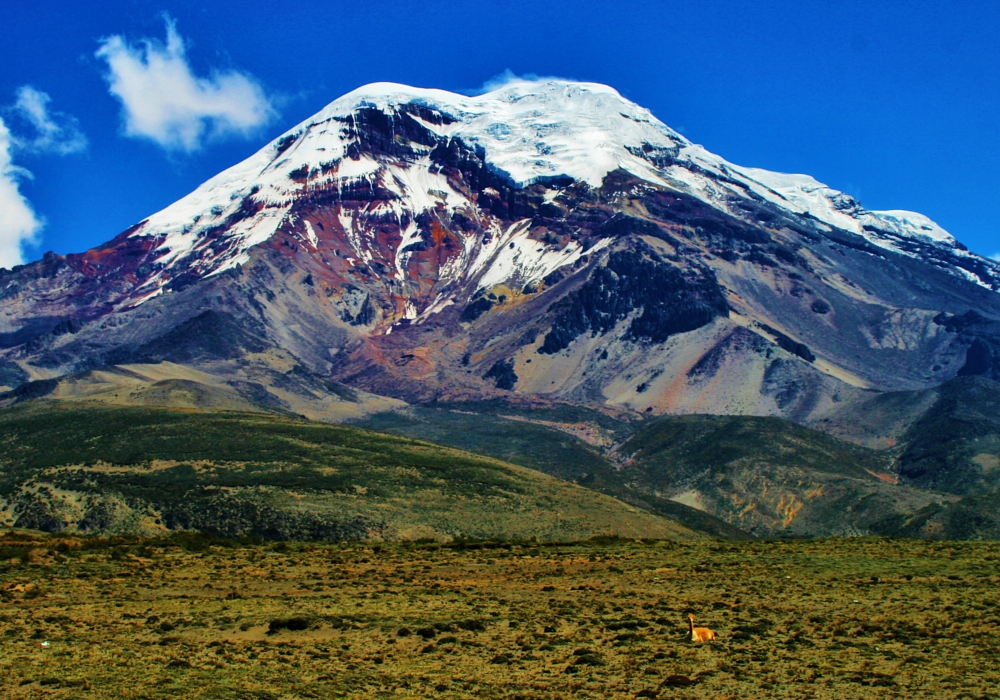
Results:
x,y
528,132
548,238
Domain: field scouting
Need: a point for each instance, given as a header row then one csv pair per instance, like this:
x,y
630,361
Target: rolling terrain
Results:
x,y
84,467
541,439
773,478
932,472
732,476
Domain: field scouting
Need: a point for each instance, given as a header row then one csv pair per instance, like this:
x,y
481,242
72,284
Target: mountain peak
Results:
x,y
388,93
530,131
548,238
551,132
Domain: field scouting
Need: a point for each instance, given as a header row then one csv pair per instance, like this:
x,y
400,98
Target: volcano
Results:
x,y
546,241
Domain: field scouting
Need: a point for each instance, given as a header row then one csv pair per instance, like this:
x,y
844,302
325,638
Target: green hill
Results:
x,y
946,439
76,466
772,477
545,439
734,476
955,445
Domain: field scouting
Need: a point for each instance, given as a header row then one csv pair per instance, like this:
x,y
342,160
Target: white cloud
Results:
x,y
55,132
165,102
51,132
509,77
19,225
995,256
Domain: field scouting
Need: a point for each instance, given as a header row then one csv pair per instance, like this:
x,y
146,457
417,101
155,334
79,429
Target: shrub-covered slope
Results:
x,y
946,439
770,476
829,620
955,445
564,441
142,470
730,475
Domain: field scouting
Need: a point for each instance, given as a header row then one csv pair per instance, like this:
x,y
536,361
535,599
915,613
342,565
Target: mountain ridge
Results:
x,y
523,149
546,239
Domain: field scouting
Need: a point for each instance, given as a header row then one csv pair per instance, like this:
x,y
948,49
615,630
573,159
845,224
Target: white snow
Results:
x,y
516,258
361,239
535,130
349,169
909,223
409,310
804,195
420,189
410,235
440,303
311,234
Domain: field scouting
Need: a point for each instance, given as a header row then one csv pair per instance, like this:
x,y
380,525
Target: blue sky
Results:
x,y
895,103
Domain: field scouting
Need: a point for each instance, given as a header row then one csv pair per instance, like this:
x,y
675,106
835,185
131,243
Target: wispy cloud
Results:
x,y
54,132
163,101
509,77
19,225
995,256
38,130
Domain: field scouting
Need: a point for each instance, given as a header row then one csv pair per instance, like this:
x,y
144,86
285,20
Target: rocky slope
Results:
x,y
548,239
739,476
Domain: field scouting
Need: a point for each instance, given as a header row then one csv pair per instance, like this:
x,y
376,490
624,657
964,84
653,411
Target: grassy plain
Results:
x,y
186,617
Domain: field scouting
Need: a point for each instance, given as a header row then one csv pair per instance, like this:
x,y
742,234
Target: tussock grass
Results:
x,y
192,616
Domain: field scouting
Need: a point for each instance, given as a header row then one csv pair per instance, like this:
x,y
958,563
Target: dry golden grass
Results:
x,y
822,618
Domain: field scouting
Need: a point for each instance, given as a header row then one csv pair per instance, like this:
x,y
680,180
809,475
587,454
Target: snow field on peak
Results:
x,y
515,127
508,257
804,195
531,131
909,223
528,131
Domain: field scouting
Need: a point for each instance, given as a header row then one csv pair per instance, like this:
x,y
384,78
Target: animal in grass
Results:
x,y
699,634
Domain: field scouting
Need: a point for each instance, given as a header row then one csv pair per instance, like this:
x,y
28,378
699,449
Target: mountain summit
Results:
x,y
526,133
547,240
